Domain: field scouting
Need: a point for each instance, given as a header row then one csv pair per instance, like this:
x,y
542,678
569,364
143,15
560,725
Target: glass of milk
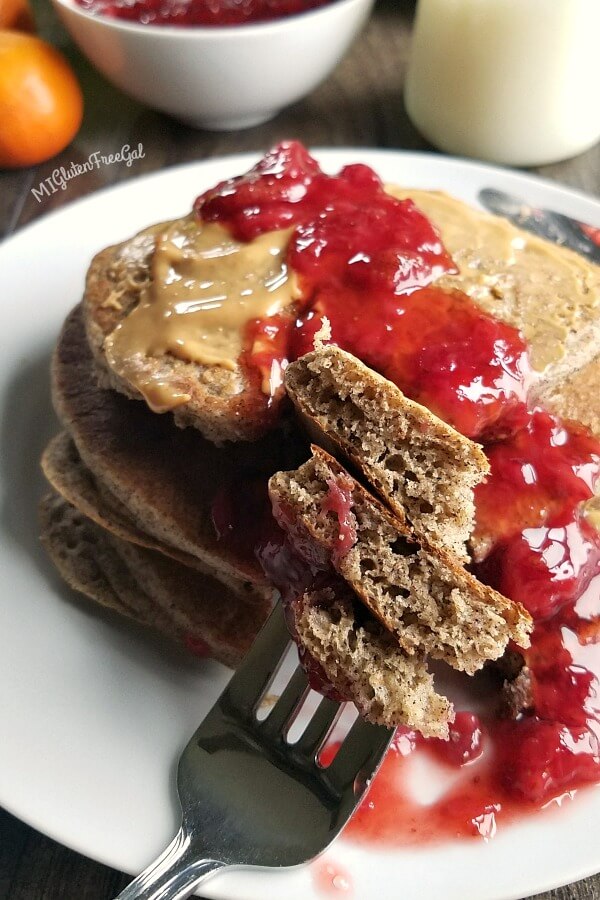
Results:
x,y
511,81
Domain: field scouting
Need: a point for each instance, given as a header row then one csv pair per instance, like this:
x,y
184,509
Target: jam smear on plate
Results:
x,y
370,263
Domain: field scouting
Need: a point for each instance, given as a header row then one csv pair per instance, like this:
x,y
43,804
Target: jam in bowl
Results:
x,y
222,76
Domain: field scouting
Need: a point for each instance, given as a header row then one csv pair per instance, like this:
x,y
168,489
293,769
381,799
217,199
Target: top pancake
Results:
x,y
548,292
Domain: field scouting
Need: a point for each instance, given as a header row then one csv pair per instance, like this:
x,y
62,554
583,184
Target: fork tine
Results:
x,y
295,691
319,727
260,663
361,751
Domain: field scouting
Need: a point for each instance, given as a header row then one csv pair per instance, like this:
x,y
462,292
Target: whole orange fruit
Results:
x,y
16,14
41,105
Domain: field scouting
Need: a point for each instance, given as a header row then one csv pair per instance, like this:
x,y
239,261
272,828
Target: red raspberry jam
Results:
x,y
591,232
465,743
539,760
545,567
542,472
335,217
338,500
199,12
241,515
293,574
197,646
534,762
564,689
367,261
369,264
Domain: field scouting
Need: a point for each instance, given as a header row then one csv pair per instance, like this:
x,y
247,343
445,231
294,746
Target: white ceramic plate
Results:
x,y
93,713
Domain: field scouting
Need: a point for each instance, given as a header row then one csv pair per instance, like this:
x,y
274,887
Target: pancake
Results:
x,y
83,560
66,472
575,396
173,600
151,486
361,661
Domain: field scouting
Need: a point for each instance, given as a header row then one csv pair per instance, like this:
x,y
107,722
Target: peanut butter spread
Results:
x,y
204,288
544,290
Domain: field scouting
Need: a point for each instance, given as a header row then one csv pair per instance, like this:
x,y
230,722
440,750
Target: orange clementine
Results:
x,y
16,14
41,105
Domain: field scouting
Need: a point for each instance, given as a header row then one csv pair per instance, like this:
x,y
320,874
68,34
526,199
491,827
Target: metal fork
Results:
x,y
248,797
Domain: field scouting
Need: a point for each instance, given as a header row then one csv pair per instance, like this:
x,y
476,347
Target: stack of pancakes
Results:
x,y
129,521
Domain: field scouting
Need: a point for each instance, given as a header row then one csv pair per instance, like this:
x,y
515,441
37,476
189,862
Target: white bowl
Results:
x,y
223,78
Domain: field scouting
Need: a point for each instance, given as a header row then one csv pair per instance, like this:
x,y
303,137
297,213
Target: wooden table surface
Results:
x,y
359,105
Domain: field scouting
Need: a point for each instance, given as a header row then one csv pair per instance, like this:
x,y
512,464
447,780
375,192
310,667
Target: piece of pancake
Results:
x,y
165,477
360,660
420,593
421,467
170,598
224,404
82,558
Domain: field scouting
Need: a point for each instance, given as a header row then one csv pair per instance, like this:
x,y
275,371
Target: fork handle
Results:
x,y
174,875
